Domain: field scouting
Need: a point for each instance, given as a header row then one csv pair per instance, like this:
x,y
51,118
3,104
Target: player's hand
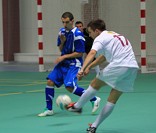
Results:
x,y
62,38
80,74
87,70
59,59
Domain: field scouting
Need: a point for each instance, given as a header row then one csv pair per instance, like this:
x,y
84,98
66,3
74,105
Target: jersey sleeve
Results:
x,y
97,46
79,42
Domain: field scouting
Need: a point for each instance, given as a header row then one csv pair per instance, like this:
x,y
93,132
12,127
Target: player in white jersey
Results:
x,y
119,74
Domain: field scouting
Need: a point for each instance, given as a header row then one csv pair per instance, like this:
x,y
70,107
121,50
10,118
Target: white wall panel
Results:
x,y
52,11
123,16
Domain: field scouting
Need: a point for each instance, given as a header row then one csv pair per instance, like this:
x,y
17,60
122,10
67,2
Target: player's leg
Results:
x,y
75,89
97,69
49,96
95,85
54,78
95,100
107,109
123,79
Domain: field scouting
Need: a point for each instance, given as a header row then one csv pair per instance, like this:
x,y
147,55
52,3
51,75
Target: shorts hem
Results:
x,y
116,88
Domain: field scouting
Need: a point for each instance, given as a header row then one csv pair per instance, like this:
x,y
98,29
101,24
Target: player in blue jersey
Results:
x,y
71,45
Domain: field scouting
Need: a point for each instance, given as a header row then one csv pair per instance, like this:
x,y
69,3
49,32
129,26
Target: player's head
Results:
x,y
79,25
67,20
95,27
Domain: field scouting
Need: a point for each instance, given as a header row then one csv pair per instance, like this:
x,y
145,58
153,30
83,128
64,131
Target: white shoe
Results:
x,y
46,113
96,104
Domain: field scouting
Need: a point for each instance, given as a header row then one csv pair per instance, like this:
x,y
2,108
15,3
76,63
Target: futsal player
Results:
x,y
119,74
88,42
71,45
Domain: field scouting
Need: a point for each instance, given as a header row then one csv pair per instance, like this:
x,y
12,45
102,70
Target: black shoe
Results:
x,y
71,108
91,130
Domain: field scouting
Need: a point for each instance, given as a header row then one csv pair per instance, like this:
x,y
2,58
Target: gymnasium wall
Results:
x,y
52,11
122,16
1,35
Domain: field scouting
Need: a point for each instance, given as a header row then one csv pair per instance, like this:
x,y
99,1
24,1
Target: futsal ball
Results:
x,y
62,101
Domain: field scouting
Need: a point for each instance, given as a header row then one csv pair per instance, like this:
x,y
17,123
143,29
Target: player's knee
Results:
x,y
50,83
114,96
97,84
70,89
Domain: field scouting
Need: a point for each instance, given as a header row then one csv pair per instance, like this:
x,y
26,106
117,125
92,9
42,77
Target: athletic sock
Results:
x,y
97,69
49,92
106,111
79,91
88,94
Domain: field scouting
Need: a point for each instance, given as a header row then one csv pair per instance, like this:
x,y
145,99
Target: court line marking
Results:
x,y
35,82
30,91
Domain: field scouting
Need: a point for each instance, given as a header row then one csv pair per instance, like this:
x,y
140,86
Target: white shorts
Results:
x,y
119,78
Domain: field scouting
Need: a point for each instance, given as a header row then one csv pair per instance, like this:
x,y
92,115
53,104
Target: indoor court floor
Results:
x,y
22,98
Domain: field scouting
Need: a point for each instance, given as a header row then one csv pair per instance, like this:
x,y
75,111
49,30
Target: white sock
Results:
x,y
106,111
97,69
86,96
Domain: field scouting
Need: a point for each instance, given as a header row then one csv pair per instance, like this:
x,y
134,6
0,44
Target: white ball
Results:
x,y
62,101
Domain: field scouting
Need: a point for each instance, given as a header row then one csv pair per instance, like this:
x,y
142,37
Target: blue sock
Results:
x,y
49,92
79,91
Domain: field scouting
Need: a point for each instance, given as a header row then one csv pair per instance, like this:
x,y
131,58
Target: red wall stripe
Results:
x,y
143,61
39,16
39,2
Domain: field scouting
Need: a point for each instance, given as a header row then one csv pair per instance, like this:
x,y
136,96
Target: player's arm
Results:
x,y
68,56
96,62
88,59
99,60
62,41
73,55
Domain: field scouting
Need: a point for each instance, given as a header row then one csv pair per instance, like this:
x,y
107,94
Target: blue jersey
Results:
x,y
65,72
75,42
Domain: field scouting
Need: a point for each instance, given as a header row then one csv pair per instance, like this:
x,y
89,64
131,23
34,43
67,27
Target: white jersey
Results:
x,y
116,49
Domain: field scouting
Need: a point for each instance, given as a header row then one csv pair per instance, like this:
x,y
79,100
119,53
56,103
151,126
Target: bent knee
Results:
x,y
97,84
50,83
70,89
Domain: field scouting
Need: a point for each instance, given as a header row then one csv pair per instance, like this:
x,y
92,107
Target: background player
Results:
x,y
71,45
88,41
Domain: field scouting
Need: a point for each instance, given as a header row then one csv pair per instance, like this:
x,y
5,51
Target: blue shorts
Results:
x,y
64,74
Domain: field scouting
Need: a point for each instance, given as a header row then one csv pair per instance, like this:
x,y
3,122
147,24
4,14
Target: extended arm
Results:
x,y
99,60
88,59
67,56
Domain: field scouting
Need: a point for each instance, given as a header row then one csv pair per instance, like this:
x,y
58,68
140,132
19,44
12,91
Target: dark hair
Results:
x,y
97,24
78,22
68,15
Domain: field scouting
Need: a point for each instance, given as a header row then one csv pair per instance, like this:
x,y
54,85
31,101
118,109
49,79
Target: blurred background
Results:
x,y
19,25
